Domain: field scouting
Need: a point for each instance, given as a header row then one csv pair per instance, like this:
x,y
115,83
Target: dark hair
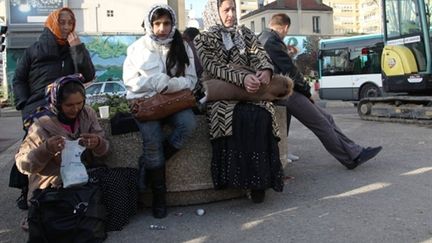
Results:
x,y
69,88
177,55
280,19
190,33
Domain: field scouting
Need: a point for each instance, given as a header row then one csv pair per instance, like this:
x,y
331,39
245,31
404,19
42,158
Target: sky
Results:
x,y
197,6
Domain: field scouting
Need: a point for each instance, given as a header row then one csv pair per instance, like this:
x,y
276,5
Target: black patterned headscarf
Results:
x,y
227,32
54,90
53,95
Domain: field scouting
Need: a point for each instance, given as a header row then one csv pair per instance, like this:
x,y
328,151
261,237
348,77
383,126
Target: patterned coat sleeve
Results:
x,y
208,47
257,55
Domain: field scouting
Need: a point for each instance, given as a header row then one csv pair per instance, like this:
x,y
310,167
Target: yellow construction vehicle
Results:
x,y
406,65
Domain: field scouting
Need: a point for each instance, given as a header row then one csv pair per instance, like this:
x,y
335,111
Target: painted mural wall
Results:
x,y
304,51
295,45
107,52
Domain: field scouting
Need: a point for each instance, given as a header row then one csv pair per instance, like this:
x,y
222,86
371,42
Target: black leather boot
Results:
x,y
142,178
22,199
157,179
169,150
258,196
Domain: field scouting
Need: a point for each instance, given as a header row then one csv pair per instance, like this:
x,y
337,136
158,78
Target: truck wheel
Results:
x,y
369,90
364,109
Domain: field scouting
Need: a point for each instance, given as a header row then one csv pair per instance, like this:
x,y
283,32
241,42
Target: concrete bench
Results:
x,y
188,172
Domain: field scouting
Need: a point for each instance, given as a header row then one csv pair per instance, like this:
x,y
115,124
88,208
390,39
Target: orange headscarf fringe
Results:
x,y
52,23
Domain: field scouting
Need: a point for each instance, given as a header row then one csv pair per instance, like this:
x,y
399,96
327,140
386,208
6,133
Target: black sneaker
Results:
x,y
22,200
365,155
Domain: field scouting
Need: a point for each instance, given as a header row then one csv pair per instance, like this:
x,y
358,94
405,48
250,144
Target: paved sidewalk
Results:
x,y
330,103
334,103
10,128
385,200
9,111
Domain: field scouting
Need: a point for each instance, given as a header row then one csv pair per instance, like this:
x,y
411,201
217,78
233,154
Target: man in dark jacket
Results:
x,y
301,106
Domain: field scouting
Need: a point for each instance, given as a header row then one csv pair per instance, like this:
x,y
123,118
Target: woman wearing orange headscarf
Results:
x,y
58,52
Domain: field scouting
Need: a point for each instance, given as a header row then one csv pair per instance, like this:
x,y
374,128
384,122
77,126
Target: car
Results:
x,y
97,91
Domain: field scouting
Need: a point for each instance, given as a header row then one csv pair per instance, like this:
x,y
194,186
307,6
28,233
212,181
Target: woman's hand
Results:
x,y
73,39
251,83
55,144
264,76
89,140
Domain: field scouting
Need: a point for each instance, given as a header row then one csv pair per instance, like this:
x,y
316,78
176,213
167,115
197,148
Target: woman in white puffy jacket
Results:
x,y
160,62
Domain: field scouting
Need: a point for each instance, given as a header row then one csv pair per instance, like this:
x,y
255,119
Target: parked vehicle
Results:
x,y
349,67
97,92
406,63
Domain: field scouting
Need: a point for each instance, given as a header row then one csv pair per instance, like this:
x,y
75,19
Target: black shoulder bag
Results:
x,y
74,214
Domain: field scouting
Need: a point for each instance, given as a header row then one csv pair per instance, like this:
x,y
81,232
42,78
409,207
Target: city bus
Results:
x,y
350,67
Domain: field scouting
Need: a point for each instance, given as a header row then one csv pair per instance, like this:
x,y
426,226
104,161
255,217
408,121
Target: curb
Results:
x,y
9,112
334,104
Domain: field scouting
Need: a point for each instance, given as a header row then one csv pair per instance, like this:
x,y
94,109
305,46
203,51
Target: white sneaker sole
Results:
x,y
293,157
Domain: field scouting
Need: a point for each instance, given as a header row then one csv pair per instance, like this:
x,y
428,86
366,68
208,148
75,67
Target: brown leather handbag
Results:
x,y
162,105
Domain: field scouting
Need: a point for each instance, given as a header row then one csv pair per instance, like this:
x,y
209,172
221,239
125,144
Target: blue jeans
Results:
x,y
183,123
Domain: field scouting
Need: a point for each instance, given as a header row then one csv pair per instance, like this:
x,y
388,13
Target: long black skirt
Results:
x,y
120,194
249,159
16,178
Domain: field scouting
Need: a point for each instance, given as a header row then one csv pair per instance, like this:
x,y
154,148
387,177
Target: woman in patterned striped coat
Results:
x,y
244,134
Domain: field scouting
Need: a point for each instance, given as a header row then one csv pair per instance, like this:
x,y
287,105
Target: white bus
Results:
x,y
350,67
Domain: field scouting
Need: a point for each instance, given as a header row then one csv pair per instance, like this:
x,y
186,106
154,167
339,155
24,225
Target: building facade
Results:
x,y
106,26
246,6
93,17
308,17
370,16
356,16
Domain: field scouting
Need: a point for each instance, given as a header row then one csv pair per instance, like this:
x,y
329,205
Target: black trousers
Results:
x,y
16,178
321,123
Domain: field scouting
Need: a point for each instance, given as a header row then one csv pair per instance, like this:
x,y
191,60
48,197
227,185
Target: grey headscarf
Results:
x,y
226,32
149,27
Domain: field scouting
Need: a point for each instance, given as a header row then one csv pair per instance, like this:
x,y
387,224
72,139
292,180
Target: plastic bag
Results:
x,y
72,170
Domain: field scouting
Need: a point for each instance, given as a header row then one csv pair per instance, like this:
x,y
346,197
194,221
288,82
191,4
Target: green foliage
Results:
x,y
311,45
107,49
307,61
116,104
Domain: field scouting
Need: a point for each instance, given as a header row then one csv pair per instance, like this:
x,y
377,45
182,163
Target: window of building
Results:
x,y
316,24
252,26
263,23
110,13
